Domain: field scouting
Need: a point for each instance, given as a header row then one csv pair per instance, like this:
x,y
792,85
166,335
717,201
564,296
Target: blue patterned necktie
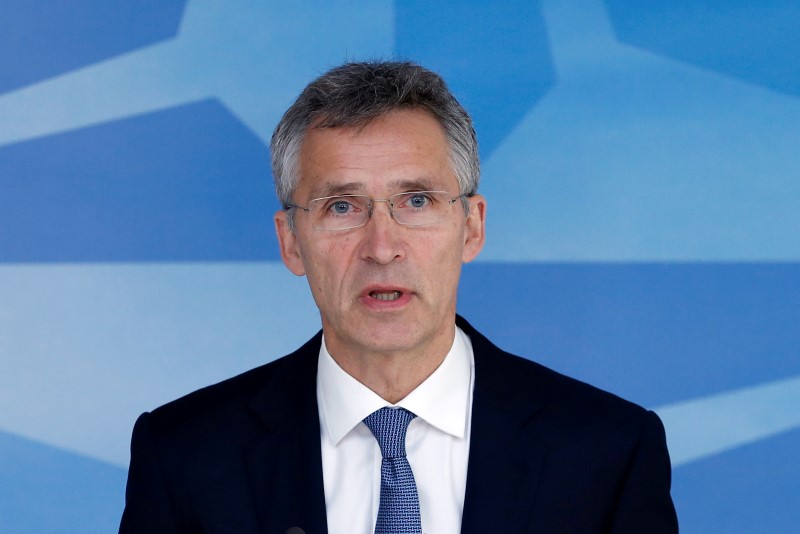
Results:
x,y
398,512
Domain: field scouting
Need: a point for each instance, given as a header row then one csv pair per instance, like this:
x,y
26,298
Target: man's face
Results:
x,y
383,287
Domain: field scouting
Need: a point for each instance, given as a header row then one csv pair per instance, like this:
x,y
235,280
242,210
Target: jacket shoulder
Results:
x,y
522,381
293,372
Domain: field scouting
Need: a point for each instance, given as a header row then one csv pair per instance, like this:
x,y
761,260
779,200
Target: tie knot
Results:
x,y
389,426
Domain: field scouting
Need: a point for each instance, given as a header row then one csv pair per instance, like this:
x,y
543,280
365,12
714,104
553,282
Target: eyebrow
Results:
x,y
418,184
331,189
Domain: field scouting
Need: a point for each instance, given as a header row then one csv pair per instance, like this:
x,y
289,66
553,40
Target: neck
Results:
x,y
392,374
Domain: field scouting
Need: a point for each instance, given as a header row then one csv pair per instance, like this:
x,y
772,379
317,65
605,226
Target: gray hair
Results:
x,y
354,94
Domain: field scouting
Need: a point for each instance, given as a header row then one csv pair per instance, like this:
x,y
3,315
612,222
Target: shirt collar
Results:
x,y
442,400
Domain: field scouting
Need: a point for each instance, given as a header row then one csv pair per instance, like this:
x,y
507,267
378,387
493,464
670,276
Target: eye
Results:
x,y
418,200
340,207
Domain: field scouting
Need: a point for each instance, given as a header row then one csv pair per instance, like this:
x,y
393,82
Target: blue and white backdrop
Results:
x,y
641,162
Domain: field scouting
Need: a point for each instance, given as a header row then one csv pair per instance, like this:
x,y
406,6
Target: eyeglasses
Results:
x,y
413,208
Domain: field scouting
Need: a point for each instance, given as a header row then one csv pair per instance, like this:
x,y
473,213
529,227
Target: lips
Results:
x,y
386,296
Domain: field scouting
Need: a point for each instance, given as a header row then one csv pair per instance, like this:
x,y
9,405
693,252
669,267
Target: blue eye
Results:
x,y
418,200
340,207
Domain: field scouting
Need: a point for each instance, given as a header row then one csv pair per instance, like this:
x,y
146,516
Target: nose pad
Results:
x,y
382,242
388,206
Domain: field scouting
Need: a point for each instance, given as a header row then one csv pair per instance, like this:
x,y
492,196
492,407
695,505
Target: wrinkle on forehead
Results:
x,y
400,152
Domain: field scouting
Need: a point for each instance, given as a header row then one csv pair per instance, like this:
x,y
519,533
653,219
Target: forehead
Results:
x,y
401,150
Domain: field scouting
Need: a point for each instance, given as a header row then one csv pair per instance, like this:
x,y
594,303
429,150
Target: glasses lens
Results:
x,y
339,212
418,208
414,208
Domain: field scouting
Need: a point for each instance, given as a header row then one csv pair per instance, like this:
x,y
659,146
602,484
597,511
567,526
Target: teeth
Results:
x,y
387,295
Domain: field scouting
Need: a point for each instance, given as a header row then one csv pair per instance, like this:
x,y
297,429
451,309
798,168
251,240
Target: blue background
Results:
x,y
640,159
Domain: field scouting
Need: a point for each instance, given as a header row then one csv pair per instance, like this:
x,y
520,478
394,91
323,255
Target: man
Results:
x,y
398,416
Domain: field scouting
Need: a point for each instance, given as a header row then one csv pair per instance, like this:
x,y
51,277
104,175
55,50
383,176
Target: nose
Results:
x,y
383,240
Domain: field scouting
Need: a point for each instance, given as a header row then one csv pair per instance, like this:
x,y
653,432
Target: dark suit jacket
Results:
x,y
547,454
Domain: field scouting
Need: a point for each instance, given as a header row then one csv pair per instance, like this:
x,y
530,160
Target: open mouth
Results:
x,y
385,295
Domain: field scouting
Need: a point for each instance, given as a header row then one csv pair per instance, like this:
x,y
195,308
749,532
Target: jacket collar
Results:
x,y
505,458
284,464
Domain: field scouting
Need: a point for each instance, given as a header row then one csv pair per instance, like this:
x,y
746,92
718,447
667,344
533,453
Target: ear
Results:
x,y
287,241
475,230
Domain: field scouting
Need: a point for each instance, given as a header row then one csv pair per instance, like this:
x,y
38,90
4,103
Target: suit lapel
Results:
x,y
505,458
284,462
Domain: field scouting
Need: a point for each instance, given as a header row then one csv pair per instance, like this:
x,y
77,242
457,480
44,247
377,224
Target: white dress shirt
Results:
x,y
437,443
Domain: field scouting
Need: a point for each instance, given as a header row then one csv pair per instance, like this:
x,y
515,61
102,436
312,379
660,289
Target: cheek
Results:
x,y
327,262
446,263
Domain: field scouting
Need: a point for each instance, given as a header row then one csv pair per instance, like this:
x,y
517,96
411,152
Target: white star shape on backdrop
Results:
x,y
634,157
254,56
250,58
